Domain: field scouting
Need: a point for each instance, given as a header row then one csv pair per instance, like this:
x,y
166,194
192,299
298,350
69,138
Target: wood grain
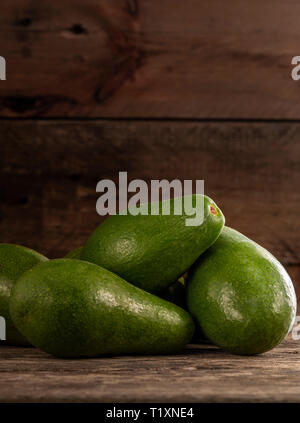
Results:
x,y
163,58
49,172
202,373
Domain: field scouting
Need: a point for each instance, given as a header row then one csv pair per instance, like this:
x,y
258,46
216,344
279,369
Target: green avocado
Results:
x,y
14,261
241,296
72,308
74,254
152,251
176,294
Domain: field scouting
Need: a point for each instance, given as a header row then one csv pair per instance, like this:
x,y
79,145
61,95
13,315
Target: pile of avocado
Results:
x,y
124,291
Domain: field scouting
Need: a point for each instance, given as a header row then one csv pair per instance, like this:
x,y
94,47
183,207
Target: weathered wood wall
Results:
x,y
161,89
158,58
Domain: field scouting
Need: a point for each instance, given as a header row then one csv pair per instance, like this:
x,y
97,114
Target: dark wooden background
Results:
x,y
160,89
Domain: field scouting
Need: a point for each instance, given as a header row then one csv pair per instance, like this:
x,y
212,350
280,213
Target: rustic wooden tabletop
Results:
x,y
202,373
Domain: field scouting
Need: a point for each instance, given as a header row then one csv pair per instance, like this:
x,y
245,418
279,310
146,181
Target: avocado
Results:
x,y
152,251
72,308
14,261
74,254
176,294
241,296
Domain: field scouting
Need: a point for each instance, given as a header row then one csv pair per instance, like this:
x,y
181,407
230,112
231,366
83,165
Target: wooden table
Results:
x,y
202,373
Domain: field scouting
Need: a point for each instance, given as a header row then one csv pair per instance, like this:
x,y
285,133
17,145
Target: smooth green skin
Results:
x,y
71,308
74,254
152,251
14,261
241,296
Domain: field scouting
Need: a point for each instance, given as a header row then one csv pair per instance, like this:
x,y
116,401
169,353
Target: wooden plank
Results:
x,y
202,373
160,58
49,172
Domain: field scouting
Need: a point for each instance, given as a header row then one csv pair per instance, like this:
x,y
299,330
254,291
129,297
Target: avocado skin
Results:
x,y
14,261
74,254
71,308
152,251
241,296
